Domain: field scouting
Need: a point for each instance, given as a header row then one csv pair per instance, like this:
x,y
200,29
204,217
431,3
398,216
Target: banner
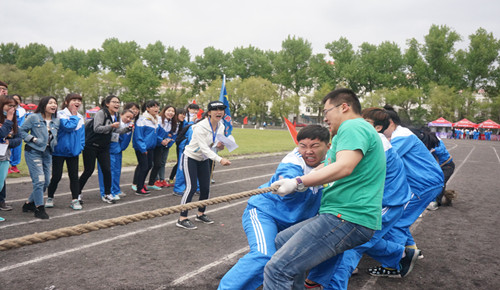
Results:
x,y
227,118
292,130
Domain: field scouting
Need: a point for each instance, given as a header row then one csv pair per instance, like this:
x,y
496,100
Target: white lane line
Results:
x,y
129,234
229,257
148,198
496,153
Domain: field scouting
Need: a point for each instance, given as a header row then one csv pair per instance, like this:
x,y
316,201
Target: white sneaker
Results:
x,y
116,197
122,194
49,202
433,206
108,199
75,204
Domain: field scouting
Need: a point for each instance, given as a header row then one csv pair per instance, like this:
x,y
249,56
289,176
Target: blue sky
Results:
x,y
225,24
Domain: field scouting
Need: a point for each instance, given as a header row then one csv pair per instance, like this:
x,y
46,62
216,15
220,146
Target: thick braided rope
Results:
x,y
123,220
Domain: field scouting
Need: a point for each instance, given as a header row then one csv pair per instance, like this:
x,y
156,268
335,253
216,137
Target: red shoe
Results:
x,y
159,183
14,169
10,170
170,183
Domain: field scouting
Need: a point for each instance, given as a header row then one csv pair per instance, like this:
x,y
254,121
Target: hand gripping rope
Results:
x,y
123,220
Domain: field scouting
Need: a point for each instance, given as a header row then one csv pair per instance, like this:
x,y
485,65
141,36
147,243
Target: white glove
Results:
x,y
287,186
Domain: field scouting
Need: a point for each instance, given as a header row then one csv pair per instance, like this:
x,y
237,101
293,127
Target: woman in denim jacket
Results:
x,y
39,131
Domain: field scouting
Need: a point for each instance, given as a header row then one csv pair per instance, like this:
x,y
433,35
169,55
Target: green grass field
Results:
x,y
249,141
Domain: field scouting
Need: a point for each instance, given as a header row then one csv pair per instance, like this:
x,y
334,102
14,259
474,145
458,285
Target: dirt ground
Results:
x,y
458,242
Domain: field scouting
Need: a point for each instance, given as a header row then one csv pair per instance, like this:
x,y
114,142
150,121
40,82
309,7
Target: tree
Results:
x,y
249,61
479,60
343,58
438,51
208,67
417,70
117,56
73,59
46,80
258,92
8,53
16,78
155,57
141,82
444,102
408,100
33,55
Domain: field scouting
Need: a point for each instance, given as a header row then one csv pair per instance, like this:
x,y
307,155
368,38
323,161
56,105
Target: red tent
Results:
x,y
90,113
489,124
464,123
441,122
30,107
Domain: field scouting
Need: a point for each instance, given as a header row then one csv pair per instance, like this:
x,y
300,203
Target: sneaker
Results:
x,y
185,224
433,206
49,202
308,284
80,198
14,169
420,255
159,183
380,271
142,192
406,264
122,194
2,219
75,204
153,187
204,219
177,193
116,197
29,206
4,206
10,170
355,271
212,180
134,187
108,199
40,213
146,189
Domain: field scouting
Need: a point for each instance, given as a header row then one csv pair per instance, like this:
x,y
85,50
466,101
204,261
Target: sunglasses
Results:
x,y
218,108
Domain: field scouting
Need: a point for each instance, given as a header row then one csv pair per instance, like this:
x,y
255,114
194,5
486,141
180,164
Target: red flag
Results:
x,y
200,113
194,101
245,120
292,130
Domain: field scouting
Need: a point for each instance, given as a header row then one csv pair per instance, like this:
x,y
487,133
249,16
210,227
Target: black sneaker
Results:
x,y
40,213
406,264
185,224
142,192
29,206
380,271
204,219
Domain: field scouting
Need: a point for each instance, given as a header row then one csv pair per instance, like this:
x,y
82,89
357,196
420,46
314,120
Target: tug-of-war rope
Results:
x,y
121,221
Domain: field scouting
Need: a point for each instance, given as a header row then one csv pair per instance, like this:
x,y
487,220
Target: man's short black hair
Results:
x,y
340,96
314,132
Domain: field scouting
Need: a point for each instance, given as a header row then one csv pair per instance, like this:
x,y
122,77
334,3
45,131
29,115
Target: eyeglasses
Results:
x,y
115,102
328,110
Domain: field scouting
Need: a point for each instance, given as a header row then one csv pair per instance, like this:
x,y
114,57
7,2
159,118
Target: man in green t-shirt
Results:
x,y
350,212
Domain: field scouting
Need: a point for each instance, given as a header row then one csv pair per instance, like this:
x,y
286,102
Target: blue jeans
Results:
x,y
307,244
39,164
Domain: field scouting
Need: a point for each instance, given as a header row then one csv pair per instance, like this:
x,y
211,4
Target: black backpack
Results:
x,y
182,135
95,139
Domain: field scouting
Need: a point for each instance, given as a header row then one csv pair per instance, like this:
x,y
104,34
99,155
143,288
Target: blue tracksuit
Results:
x,y
15,156
265,216
396,194
180,180
115,156
145,135
71,134
424,176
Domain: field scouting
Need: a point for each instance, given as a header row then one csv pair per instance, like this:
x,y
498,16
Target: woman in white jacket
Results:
x,y
196,161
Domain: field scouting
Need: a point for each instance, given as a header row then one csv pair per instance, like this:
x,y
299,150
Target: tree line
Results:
x,y
425,80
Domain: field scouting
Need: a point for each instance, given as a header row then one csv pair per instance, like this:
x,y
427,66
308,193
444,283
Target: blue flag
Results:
x,y
227,118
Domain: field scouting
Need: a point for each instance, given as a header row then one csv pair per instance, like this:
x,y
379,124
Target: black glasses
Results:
x,y
328,110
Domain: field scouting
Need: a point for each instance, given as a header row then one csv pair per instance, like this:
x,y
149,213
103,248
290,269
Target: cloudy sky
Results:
x,y
226,24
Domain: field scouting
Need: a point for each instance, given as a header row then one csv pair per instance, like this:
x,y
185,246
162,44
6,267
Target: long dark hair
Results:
x,y
3,101
43,104
174,118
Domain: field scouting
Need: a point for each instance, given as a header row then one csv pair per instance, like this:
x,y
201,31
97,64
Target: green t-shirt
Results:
x,y
357,198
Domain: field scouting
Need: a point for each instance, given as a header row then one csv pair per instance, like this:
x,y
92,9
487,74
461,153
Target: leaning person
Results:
x,y
354,171
267,214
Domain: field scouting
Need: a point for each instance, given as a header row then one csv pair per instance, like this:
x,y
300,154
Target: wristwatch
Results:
x,y
300,184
